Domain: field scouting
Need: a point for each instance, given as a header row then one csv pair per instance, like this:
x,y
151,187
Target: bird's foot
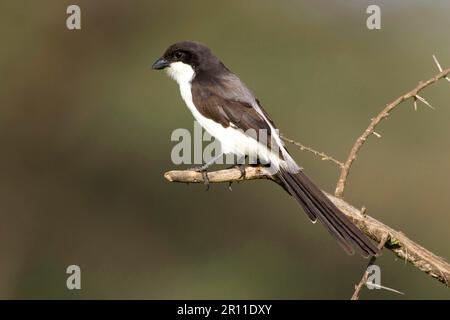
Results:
x,y
241,168
203,170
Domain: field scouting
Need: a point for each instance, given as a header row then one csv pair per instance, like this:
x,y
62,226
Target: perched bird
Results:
x,y
224,106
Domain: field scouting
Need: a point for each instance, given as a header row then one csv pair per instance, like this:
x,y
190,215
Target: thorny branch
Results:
x,y
398,243
414,93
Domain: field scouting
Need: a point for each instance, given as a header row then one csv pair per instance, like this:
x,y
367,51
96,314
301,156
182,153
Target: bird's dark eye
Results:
x,y
178,54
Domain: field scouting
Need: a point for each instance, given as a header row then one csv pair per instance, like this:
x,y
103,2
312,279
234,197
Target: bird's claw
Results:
x,y
204,172
205,179
241,168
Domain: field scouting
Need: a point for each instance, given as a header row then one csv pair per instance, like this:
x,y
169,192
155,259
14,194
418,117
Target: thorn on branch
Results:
x,y
376,134
439,67
363,210
424,101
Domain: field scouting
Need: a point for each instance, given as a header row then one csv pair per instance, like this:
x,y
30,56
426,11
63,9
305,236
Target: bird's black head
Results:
x,y
196,55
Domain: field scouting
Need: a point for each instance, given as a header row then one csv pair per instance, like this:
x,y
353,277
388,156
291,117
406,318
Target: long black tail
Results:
x,y
318,207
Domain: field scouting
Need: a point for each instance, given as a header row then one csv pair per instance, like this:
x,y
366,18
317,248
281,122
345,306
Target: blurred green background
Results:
x,y
85,140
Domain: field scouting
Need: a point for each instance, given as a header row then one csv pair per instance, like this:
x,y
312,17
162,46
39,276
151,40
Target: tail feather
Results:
x,y
318,207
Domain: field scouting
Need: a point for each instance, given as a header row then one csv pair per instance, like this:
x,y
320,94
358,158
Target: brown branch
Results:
x,y
322,155
365,276
414,93
399,244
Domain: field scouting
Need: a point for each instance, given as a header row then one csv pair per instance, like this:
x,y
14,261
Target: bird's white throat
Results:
x,y
180,72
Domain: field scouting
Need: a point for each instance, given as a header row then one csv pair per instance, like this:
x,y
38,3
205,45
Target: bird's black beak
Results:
x,y
159,64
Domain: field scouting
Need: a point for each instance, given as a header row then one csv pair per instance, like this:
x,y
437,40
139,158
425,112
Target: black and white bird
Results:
x,y
226,109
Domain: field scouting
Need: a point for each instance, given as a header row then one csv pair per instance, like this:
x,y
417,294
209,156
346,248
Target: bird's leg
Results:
x,y
241,168
203,169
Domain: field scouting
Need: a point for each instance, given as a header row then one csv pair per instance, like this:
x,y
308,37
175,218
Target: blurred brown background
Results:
x,y
85,140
